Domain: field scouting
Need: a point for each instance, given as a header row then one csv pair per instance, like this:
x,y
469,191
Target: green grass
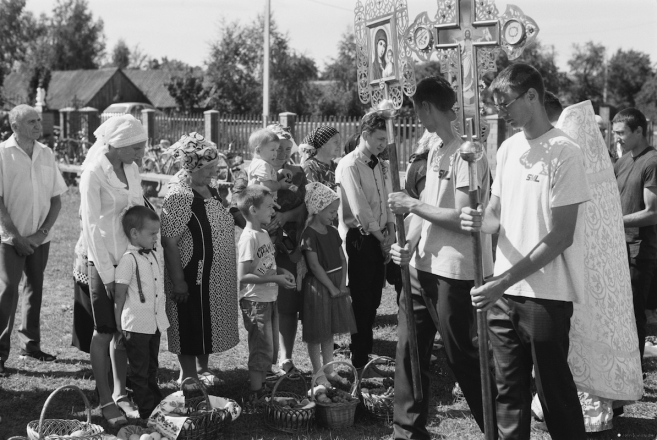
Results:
x,y
23,393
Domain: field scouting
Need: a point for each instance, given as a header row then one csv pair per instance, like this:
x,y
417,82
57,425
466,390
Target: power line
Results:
x,y
330,5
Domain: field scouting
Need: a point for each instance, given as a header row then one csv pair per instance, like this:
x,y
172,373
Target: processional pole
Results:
x,y
385,74
466,36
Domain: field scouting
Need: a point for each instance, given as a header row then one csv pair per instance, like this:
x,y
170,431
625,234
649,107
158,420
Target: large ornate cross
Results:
x,y
466,35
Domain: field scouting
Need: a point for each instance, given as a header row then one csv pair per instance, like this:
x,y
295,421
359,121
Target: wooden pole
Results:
x,y
471,152
387,111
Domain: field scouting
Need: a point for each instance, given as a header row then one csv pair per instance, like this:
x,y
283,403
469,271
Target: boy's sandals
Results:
x,y
115,421
127,406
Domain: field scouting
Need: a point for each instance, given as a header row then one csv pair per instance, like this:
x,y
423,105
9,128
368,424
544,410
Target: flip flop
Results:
x,y
116,421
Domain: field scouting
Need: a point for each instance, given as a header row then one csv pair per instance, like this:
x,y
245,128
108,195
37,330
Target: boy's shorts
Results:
x,y
261,321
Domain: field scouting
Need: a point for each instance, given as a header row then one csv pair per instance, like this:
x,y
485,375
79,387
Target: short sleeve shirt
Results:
x,y
149,316
27,184
261,171
633,174
326,246
256,246
441,251
533,177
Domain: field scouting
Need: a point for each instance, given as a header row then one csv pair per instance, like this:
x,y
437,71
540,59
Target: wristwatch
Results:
x,y
44,231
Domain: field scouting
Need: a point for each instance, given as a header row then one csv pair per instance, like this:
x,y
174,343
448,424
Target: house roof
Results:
x,y
152,84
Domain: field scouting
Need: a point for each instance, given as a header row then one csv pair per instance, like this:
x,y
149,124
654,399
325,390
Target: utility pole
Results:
x,y
265,70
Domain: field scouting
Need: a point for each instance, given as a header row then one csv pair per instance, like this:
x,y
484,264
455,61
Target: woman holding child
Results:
x,y
290,218
109,185
198,238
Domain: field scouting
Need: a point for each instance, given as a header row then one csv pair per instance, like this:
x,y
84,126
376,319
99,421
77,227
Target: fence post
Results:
x,y
289,119
93,122
212,126
148,121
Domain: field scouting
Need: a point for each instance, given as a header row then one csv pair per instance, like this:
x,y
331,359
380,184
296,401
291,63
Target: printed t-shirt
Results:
x,y
441,251
256,246
534,176
633,174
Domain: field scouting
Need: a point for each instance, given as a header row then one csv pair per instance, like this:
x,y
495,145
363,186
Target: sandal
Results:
x,y
189,386
116,421
287,367
127,406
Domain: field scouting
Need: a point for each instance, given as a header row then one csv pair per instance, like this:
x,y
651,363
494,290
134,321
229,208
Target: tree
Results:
x,y
646,99
340,97
187,89
121,55
16,25
542,58
587,73
77,40
235,71
628,71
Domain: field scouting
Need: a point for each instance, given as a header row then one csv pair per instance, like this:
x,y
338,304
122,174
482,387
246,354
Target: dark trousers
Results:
x,y
12,267
451,299
642,272
528,332
366,278
142,350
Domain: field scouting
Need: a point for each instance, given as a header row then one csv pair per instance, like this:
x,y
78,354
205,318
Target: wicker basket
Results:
x,y
378,407
206,422
289,420
336,415
40,429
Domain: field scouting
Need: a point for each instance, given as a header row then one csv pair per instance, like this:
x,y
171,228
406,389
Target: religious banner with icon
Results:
x,y
385,64
466,36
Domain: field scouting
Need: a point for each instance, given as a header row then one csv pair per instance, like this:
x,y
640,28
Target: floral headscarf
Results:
x,y
194,152
318,197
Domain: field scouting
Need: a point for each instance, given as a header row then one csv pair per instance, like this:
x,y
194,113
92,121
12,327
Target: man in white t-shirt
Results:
x,y
536,206
442,255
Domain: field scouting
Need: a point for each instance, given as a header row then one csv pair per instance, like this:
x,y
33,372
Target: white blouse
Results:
x,y
104,200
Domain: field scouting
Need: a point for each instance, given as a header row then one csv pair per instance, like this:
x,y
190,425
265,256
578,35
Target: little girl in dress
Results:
x,y
327,307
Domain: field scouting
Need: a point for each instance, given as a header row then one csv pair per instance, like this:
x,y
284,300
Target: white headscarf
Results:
x,y
117,131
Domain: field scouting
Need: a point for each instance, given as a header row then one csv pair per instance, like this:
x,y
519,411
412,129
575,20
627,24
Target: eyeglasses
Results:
x,y
504,106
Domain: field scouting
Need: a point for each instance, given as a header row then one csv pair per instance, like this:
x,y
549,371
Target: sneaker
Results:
x,y
3,370
38,355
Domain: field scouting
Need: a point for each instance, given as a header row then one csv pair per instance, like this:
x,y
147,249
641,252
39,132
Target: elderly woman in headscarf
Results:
x,y
285,229
198,238
321,146
110,184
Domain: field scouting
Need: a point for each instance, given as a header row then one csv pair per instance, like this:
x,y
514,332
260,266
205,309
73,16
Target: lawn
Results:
x,y
23,393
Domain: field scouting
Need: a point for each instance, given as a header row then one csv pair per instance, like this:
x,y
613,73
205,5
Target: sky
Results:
x,y
184,29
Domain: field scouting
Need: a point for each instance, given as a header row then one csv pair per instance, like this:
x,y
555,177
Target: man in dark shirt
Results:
x,y
636,174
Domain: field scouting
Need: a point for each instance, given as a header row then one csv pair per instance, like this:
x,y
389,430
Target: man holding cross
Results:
x,y
444,263
535,204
